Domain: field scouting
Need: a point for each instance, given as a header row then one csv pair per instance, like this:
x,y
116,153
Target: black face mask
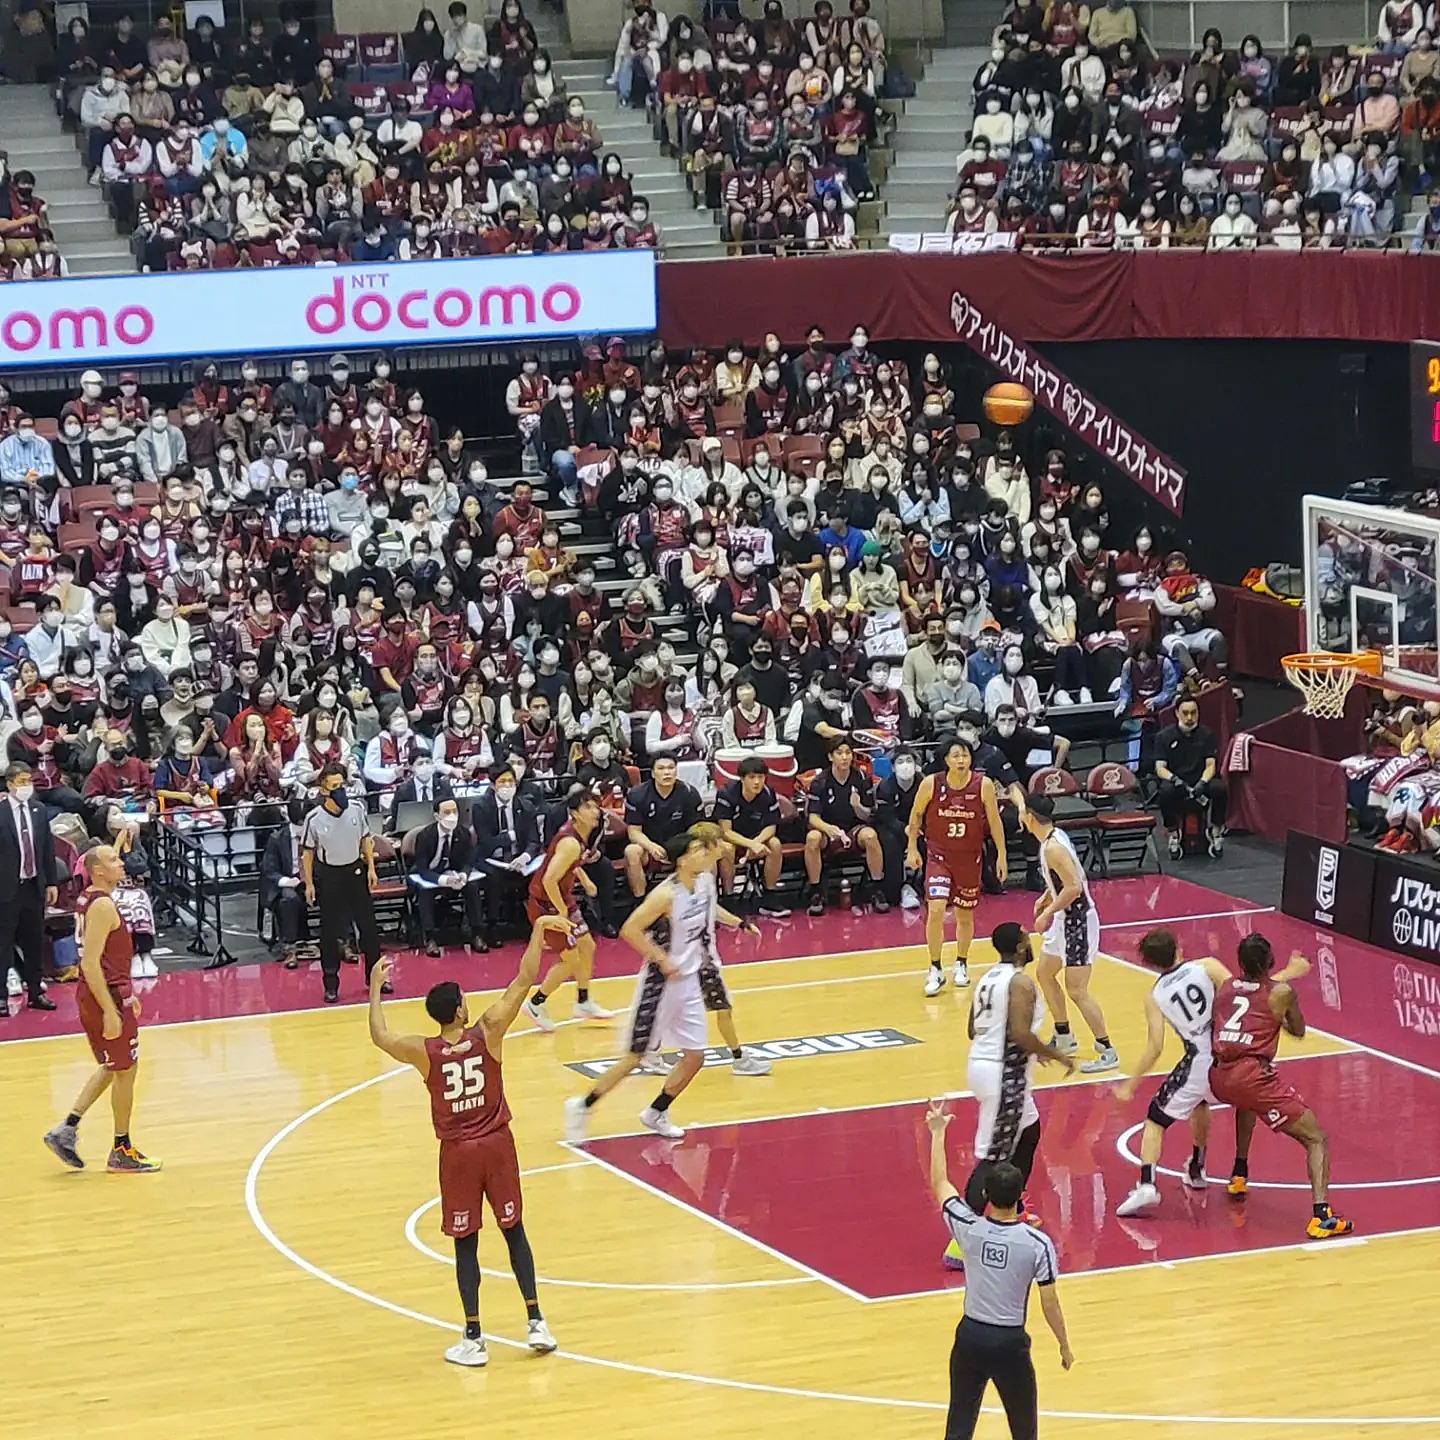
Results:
x,y
118,754
336,800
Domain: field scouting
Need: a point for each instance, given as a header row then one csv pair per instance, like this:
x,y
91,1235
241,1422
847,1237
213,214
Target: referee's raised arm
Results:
x,y
1004,1257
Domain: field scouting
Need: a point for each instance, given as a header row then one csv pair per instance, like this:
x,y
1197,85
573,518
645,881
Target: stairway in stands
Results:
x,y
30,131
928,136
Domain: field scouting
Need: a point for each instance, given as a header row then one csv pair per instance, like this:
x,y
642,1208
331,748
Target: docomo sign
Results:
x,y
123,319
452,309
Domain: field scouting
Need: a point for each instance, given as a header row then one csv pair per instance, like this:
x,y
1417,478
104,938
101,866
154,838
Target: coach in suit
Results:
x,y
441,863
29,880
423,787
282,888
507,836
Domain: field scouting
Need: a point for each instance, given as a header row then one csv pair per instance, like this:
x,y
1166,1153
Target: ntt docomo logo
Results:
x,y
371,310
65,331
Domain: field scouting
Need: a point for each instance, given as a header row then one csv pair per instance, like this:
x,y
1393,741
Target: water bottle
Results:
x,y
845,896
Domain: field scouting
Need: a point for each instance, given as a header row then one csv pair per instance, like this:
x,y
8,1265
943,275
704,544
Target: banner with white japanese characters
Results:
x,y
1086,418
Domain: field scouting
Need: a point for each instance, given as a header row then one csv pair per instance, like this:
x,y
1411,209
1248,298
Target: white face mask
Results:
x,y
505,793
23,793
447,824
1006,728
1014,664
905,771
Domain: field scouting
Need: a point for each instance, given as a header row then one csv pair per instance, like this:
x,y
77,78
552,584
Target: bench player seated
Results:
x,y
842,809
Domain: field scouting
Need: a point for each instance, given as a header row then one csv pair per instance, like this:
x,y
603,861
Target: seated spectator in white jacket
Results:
x,y
165,641
1232,228
997,125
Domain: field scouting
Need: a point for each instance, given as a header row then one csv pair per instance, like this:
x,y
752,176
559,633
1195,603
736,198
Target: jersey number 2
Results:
x,y
1242,1008
464,1080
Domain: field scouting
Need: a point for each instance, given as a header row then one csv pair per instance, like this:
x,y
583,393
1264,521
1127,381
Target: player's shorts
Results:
x,y
954,882
649,862
554,941
836,847
476,1170
1074,935
117,1054
1183,1089
1004,1105
712,986
1253,1083
666,1014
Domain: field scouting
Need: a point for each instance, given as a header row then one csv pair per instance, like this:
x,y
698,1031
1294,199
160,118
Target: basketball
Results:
x,y
1008,404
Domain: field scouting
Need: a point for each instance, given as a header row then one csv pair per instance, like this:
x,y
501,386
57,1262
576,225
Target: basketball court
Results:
x,y
777,1270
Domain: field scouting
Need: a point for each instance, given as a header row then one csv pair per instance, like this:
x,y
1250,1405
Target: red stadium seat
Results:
x,y
1122,832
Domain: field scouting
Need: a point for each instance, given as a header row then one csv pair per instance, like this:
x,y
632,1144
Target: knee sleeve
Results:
x,y
1025,1147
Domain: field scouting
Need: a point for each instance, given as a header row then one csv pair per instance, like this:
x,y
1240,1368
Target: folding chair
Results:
x,y
1122,832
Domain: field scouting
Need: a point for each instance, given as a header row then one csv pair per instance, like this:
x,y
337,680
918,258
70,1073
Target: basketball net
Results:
x,y
1325,680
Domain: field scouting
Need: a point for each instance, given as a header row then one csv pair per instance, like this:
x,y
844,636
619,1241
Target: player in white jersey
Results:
x,y
1006,1013
1067,915
670,991
1183,997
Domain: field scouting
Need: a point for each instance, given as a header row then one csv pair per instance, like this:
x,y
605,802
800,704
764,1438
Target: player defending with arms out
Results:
x,y
1006,1013
1183,997
552,892
1067,916
461,1069
671,990
1250,1013
109,1014
956,810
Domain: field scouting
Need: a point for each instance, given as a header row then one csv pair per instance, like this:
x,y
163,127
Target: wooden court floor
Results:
x,y
264,1283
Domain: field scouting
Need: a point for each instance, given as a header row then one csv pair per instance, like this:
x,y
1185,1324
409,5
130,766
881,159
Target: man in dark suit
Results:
x,y
441,863
423,787
282,888
28,883
507,838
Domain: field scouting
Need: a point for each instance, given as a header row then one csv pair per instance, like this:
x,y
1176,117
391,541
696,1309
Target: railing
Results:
x,y
1179,24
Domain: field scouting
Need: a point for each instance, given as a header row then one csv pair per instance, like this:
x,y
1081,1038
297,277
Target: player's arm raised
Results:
x,y
500,1016
100,919
635,932
1019,1022
1296,967
1154,1044
997,829
408,1049
913,826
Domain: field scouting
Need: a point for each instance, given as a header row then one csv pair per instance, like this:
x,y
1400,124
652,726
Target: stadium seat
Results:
x,y
1121,832
381,58
343,51
371,100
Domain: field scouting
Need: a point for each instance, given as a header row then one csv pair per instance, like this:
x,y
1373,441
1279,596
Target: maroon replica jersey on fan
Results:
x,y
467,1091
1244,1024
955,824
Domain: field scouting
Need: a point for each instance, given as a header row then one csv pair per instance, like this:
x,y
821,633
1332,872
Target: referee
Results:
x,y
338,862
1003,1258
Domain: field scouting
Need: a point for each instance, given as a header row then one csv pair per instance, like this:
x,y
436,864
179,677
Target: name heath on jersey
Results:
x,y
802,1048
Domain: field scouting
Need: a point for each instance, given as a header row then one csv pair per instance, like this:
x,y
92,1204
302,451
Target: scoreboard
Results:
x,y
1425,406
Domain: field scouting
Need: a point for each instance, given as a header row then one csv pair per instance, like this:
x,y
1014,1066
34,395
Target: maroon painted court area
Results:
x,y
845,1193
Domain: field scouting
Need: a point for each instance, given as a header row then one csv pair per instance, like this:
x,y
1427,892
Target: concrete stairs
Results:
x,y
30,131
929,134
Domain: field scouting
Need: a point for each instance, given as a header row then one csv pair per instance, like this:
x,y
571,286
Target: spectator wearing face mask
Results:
x,y
165,640
894,800
1025,749
391,756
950,695
120,787
1013,686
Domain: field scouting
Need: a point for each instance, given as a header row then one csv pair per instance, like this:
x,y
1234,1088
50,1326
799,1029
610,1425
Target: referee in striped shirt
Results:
x,y
1003,1258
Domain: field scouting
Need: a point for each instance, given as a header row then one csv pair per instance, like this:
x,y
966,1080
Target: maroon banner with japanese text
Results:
x,y
1084,416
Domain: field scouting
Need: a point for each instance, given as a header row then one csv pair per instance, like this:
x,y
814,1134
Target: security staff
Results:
x,y
1003,1257
338,859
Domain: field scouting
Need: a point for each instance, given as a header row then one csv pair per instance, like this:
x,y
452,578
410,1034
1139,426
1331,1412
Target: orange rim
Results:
x,y
1367,662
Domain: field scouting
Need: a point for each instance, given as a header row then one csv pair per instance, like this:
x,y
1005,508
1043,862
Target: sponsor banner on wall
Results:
x,y
124,319
1405,913
966,242
1328,885
1086,418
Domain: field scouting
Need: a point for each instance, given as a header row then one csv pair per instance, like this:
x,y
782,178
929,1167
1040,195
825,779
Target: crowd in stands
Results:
x,y
772,119
281,149
27,245
211,603
1081,140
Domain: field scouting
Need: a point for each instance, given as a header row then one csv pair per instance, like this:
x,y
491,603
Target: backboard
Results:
x,y
1370,584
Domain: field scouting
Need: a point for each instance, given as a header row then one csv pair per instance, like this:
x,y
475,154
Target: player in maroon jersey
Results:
x,y
109,1014
552,892
956,810
1250,1012
461,1069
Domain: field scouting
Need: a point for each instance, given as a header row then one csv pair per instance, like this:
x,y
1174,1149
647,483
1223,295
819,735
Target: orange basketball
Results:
x,y
1008,404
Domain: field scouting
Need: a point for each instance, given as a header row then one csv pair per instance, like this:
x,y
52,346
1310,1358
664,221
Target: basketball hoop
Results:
x,y
1325,678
